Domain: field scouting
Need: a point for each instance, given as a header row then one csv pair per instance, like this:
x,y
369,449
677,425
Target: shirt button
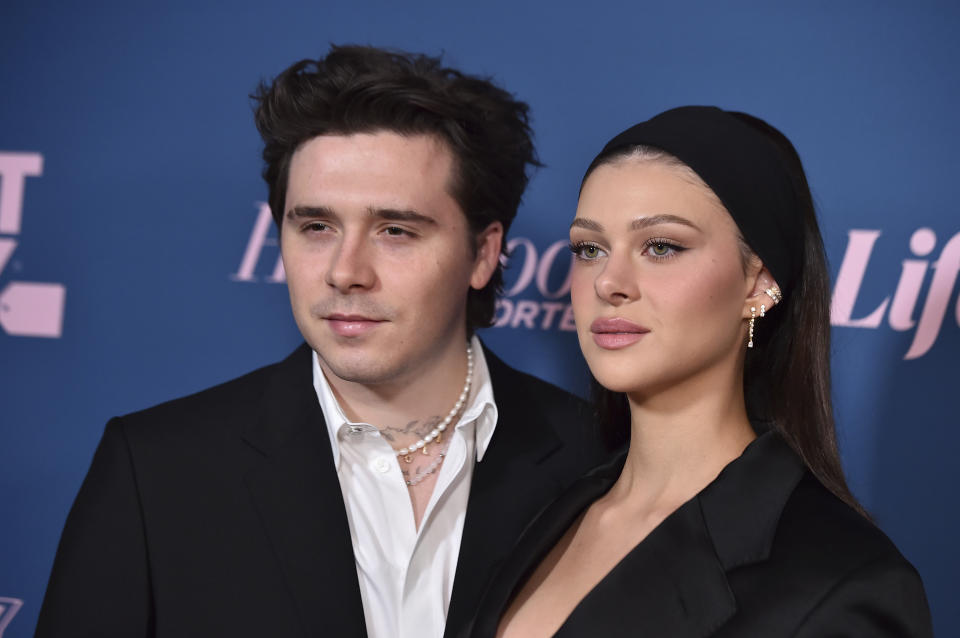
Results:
x,y
382,465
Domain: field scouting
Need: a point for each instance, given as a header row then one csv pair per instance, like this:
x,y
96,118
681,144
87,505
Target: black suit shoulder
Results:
x,y
228,402
571,418
164,537
828,535
830,571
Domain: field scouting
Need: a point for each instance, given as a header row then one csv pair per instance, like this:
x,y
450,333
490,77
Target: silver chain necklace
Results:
x,y
427,471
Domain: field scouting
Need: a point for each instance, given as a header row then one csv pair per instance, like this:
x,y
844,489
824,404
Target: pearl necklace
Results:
x,y
436,434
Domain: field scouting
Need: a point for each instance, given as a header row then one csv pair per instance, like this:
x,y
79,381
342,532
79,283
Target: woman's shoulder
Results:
x,y
831,540
801,562
830,567
816,522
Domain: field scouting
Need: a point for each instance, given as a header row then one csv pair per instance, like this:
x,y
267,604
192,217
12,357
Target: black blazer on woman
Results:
x,y
764,550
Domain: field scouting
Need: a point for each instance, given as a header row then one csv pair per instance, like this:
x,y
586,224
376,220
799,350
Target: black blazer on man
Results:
x,y
220,514
764,551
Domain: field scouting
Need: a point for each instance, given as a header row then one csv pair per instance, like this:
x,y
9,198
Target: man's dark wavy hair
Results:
x,y
361,89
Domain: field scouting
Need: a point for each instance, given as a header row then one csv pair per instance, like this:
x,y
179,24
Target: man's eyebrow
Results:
x,y
388,214
397,215
652,220
310,212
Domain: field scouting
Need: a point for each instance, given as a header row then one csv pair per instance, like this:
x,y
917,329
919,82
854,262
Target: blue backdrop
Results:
x,y
136,263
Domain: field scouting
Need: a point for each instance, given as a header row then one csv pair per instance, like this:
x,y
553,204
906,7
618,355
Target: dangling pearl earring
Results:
x,y
753,318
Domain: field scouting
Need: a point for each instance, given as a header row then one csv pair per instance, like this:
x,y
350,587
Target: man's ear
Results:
x,y
758,295
488,243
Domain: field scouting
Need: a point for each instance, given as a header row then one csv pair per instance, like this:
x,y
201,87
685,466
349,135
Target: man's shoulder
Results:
x,y
516,383
234,400
526,397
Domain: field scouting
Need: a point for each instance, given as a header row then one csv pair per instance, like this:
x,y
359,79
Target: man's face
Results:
x,y
378,255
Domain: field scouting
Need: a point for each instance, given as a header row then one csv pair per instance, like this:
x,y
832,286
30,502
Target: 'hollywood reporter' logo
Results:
x,y
27,309
536,294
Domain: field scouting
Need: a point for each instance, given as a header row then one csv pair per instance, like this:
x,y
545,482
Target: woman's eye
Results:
x,y
583,250
661,249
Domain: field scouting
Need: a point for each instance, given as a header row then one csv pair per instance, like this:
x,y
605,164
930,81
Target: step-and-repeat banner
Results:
x,y
138,262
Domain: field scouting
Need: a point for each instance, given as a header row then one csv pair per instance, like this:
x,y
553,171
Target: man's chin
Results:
x,y
358,368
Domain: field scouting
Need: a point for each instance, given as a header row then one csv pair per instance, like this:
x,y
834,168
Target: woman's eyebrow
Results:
x,y
637,224
652,220
589,224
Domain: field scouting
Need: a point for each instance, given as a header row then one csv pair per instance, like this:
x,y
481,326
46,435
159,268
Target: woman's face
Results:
x,y
659,289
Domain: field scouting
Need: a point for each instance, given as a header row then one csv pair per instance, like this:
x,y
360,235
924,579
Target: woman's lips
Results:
x,y
615,333
351,325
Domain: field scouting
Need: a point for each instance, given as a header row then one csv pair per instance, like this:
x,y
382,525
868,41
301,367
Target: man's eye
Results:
x,y
317,227
395,231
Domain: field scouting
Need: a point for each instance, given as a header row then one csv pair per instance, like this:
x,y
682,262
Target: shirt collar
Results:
x,y
481,408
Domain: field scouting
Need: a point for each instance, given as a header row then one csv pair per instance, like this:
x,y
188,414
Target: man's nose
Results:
x,y
351,266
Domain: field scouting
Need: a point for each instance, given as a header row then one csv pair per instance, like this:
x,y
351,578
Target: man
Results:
x,y
369,483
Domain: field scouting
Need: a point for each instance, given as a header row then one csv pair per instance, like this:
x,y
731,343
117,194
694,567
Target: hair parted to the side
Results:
x,y
787,373
362,89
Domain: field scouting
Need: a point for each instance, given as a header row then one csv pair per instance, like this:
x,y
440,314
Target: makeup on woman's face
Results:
x,y
658,283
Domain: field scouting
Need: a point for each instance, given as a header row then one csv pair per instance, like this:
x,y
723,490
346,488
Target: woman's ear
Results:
x,y
764,294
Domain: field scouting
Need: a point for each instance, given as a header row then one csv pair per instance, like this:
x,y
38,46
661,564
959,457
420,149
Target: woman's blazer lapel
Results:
x,y
674,583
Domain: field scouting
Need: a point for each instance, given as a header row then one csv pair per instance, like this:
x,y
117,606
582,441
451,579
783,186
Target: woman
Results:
x,y
700,294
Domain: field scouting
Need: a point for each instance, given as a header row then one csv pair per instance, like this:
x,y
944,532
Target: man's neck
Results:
x,y
420,394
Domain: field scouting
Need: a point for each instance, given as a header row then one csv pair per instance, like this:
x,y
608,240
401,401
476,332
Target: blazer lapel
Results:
x,y
674,583
510,485
677,577
742,506
677,586
533,545
297,492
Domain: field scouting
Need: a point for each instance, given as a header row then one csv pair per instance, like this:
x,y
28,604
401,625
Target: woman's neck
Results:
x,y
680,440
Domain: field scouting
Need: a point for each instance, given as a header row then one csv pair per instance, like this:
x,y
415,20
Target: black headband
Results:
x,y
743,166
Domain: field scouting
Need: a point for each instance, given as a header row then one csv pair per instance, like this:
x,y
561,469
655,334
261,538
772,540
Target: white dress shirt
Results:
x,y
405,574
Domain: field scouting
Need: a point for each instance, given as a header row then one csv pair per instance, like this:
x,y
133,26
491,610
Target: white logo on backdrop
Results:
x,y
26,309
546,306
8,609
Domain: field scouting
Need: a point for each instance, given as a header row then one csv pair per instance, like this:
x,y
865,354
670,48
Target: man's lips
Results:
x,y
615,333
351,325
